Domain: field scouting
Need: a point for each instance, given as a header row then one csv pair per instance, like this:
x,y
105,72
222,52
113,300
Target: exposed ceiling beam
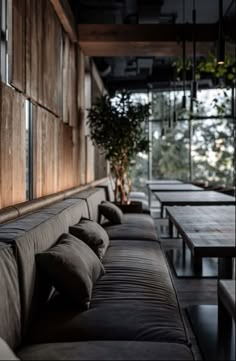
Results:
x,y
66,18
144,40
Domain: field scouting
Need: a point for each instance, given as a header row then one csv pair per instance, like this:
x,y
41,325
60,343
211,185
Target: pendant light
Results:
x,y
194,82
174,111
221,42
184,61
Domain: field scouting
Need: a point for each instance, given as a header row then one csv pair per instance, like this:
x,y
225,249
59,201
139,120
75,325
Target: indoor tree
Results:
x,y
117,126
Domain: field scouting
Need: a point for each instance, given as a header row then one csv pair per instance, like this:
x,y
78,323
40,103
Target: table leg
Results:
x,y
171,229
162,211
225,268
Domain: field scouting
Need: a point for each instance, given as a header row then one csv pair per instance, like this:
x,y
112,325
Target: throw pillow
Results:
x,y
72,267
111,212
92,234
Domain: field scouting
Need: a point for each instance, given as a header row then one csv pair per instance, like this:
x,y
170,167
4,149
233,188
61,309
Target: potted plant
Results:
x,y
117,126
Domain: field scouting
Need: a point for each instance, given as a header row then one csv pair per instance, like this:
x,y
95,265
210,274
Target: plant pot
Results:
x,y
132,207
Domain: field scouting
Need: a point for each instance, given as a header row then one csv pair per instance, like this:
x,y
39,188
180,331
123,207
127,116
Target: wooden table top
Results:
x,y
174,187
190,214
194,198
163,181
208,234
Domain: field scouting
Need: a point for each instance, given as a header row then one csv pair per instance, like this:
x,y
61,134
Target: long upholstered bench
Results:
x,y
134,312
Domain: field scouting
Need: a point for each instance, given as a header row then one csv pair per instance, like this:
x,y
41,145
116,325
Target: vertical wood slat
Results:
x,y
12,148
17,50
81,107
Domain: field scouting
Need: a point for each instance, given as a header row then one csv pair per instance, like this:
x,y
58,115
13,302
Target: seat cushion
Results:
x,y
72,267
92,234
107,350
144,220
131,232
134,300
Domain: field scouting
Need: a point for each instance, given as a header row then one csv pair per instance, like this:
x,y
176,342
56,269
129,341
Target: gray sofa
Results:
x,y
134,312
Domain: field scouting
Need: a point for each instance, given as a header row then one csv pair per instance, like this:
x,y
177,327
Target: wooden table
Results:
x,y
210,232
205,224
209,198
163,181
174,187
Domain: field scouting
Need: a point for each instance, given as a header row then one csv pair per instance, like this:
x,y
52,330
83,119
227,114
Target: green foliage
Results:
x,y
117,127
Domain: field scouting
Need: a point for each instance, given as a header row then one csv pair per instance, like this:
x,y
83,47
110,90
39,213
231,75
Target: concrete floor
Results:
x,y
190,291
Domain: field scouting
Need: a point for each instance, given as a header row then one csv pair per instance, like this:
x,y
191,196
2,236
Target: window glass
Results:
x,y
213,151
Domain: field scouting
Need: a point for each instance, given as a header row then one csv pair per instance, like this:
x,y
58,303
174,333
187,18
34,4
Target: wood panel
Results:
x,y
17,51
70,106
81,107
44,55
66,17
45,129
56,156
12,148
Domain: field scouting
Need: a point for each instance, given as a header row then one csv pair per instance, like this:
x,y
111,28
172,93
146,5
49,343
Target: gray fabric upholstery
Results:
x,y
131,232
92,234
33,234
107,350
72,267
134,300
5,352
10,309
144,220
111,212
227,296
93,197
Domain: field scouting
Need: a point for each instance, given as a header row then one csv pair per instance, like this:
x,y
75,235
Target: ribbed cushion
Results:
x,y
134,300
111,212
107,350
93,197
33,234
131,232
72,267
92,234
10,308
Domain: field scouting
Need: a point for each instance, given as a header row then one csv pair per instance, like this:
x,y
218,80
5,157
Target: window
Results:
x,y
4,39
29,149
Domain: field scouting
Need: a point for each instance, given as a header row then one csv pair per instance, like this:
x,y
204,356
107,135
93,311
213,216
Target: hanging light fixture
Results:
x,y
184,61
194,82
174,111
221,42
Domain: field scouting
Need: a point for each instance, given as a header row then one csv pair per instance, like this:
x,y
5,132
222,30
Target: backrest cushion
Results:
x,y
93,197
10,309
33,234
5,352
108,190
92,234
72,267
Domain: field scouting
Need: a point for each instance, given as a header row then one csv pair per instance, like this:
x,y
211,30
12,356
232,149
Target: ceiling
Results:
x,y
135,71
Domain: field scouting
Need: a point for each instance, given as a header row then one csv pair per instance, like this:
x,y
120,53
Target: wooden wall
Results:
x,y
47,68
12,147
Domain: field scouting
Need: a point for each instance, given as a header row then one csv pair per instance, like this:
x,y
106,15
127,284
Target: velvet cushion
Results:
x,y
5,352
72,267
111,212
92,234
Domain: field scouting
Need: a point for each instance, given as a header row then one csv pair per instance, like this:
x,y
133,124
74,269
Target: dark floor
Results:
x,y
190,291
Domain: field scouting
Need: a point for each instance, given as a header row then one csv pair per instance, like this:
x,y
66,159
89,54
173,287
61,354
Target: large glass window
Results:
x,y
170,151
213,151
